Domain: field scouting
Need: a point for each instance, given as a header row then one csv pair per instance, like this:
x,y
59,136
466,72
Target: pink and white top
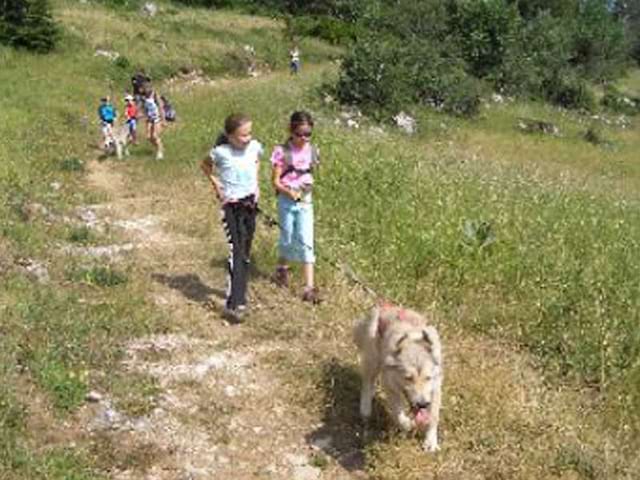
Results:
x,y
302,160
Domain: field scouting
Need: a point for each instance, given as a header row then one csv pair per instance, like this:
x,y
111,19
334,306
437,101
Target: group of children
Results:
x,y
156,111
232,166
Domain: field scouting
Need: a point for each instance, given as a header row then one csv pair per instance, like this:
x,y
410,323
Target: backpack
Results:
x,y
168,110
288,161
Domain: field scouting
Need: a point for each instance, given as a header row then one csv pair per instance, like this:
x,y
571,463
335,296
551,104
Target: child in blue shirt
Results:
x,y
235,158
107,114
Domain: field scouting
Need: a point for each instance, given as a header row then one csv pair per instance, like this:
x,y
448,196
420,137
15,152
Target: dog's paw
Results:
x,y
430,443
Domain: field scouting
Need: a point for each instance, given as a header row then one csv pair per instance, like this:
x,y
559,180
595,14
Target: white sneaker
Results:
x,y
159,156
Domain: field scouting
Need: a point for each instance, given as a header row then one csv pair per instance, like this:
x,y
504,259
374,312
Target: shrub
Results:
x,y
615,100
383,76
28,24
569,91
484,31
327,28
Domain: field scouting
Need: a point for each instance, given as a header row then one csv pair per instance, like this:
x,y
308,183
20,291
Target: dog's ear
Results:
x,y
398,346
432,339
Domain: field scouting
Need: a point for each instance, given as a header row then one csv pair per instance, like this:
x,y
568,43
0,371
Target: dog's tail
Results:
x,y
366,328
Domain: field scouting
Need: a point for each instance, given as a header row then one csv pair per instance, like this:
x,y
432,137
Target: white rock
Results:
x,y
296,460
149,9
405,122
322,443
306,472
93,396
107,53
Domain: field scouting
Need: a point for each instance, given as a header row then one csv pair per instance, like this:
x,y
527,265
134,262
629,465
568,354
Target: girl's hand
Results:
x,y
294,195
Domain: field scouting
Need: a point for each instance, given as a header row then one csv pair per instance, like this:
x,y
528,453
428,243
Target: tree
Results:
x,y
629,12
28,24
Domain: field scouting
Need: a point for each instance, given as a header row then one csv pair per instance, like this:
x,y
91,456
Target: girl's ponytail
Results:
x,y
221,140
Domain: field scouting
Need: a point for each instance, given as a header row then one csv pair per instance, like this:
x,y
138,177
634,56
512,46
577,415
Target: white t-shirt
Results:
x,y
237,169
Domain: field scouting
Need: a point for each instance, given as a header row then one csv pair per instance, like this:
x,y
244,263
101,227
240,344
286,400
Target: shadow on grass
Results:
x,y
254,270
189,285
343,435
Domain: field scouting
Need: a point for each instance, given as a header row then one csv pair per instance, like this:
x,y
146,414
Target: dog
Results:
x,y
399,344
119,140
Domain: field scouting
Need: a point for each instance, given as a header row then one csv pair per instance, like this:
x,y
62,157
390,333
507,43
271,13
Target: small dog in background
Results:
x,y
120,140
399,344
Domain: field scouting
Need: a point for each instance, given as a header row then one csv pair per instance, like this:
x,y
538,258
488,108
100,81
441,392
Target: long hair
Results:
x,y
231,124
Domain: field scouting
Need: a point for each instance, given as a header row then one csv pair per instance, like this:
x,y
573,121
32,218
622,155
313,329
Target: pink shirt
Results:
x,y
302,159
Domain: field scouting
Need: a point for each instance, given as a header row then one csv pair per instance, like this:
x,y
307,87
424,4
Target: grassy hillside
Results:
x,y
527,245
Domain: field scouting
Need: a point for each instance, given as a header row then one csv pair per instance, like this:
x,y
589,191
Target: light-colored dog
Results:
x,y
399,344
119,139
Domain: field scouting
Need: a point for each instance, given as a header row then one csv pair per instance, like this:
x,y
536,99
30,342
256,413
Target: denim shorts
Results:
x,y
296,229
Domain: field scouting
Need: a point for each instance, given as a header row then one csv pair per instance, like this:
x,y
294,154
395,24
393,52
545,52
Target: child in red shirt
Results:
x,y
131,116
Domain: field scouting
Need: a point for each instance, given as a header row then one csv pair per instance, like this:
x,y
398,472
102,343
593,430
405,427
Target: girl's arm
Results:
x,y
276,173
207,168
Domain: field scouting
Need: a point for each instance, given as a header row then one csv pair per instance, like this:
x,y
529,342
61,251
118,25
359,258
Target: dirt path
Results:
x,y
223,410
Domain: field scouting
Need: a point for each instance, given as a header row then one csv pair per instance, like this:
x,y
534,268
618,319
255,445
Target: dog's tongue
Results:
x,y
422,418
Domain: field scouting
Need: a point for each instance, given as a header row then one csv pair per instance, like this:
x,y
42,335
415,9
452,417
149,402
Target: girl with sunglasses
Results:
x,y
292,177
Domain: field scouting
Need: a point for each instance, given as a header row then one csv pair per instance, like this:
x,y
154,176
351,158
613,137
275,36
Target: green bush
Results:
x,y
28,24
437,52
385,75
569,91
615,100
485,31
327,28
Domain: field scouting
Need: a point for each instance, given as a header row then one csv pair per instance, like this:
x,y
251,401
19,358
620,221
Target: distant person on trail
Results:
x,y
138,82
232,167
292,177
294,63
154,121
131,116
107,114
167,109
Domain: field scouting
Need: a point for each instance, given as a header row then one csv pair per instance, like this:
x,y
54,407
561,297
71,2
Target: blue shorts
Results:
x,y
296,229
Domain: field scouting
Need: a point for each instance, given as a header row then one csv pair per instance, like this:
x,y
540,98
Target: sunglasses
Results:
x,y
305,134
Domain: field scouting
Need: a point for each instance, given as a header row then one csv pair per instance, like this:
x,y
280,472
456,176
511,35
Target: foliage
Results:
x,y
384,76
485,31
28,24
615,100
539,49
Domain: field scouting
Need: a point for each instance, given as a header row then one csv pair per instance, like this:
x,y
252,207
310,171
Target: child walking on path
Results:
x,y
154,122
107,114
294,62
131,116
292,176
235,157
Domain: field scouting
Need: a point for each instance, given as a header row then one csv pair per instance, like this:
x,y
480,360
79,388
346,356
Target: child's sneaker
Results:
x,y
281,277
159,155
311,295
235,315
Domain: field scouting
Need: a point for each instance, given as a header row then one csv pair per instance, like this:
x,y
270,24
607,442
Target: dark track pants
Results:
x,y
239,221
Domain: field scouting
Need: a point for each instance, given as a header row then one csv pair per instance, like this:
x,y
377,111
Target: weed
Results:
x,y
81,235
100,276
72,164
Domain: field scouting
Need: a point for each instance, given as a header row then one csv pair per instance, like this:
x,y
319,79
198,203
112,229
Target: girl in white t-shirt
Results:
x,y
235,158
